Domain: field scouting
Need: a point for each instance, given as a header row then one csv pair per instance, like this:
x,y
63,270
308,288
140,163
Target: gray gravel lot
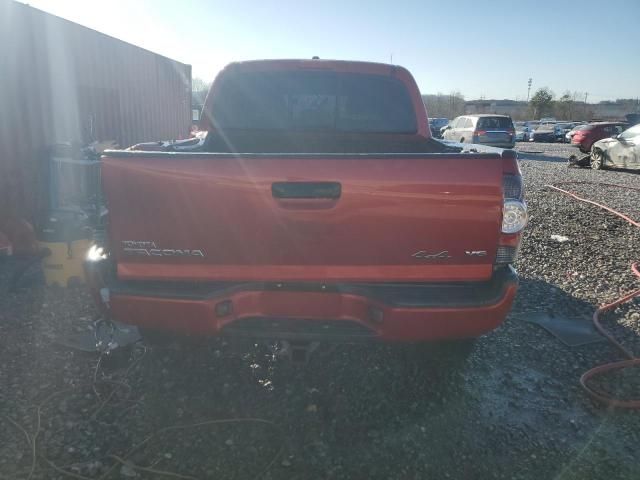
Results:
x,y
514,410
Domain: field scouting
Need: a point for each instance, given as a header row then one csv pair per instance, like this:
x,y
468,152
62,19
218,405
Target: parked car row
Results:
x,y
436,124
569,135
524,130
498,130
486,129
501,131
550,131
585,137
543,133
621,151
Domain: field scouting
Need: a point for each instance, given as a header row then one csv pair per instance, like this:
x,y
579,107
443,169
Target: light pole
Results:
x,y
586,94
529,88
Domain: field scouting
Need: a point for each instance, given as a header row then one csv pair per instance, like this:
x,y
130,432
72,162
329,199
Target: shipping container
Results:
x,y
62,82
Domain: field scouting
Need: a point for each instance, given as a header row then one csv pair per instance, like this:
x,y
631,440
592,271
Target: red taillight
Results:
x,y
511,131
514,209
477,133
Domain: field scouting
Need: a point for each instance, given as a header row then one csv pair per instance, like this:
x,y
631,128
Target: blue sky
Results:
x,y
485,48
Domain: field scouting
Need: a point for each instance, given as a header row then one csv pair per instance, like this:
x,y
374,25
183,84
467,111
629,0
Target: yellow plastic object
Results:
x,y
63,266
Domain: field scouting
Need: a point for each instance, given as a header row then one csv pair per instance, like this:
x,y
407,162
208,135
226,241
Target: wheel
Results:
x,y
462,140
597,159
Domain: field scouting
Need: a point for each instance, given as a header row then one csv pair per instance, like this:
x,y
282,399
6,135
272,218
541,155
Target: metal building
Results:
x,y
62,82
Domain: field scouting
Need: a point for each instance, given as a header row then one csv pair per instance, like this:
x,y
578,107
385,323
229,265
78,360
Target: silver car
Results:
x,y
623,151
493,130
523,131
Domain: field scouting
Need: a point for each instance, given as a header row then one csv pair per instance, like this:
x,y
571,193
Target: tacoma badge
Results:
x,y
150,249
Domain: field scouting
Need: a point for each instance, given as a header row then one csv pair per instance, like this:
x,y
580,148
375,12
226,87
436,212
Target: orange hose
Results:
x,y
632,360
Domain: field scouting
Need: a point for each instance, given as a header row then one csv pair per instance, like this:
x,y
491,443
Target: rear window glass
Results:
x,y
438,122
313,101
487,123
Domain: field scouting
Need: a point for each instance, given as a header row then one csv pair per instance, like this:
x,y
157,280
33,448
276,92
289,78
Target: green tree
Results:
x,y
564,106
542,102
441,105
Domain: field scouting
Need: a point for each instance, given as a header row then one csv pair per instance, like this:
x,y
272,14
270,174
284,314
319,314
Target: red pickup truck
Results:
x,y
317,206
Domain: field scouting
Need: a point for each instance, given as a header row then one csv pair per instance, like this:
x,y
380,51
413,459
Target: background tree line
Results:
x,y
445,105
572,105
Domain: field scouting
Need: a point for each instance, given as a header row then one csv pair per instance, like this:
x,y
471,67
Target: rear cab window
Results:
x,y
495,123
313,101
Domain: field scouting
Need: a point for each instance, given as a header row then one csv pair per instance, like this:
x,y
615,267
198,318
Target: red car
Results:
x,y
591,133
317,207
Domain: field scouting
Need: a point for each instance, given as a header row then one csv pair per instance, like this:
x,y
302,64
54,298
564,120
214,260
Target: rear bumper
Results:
x,y
501,145
306,311
543,138
495,144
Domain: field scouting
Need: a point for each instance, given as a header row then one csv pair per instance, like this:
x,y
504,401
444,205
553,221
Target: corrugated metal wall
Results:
x,y
60,81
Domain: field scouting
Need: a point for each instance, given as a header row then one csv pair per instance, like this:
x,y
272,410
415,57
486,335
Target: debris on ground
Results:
x,y
572,331
102,336
559,238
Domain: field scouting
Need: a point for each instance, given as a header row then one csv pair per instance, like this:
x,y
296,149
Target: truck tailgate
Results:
x,y
296,217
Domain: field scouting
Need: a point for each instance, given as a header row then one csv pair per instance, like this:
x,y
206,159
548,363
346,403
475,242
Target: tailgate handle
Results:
x,y
308,190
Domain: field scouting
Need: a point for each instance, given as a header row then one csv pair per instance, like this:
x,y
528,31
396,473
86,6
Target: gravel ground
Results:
x,y
513,410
